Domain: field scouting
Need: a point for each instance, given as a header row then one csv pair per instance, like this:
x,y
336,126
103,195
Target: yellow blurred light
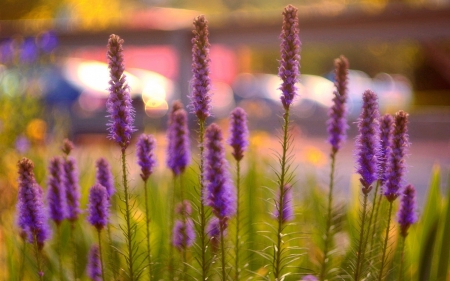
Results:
x,y
315,156
156,107
37,129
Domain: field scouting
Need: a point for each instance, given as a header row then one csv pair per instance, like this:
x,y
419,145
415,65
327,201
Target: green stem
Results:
x,y
237,240
101,252
386,239
112,254
185,269
171,223
129,234
147,225
329,218
58,251
278,251
402,260
74,248
359,254
22,259
222,247
375,221
37,252
202,235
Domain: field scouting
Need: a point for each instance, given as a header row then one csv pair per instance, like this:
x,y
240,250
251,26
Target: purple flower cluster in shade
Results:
x,y
56,194
287,214
146,156
32,215
290,58
178,150
94,268
67,146
119,107
368,141
213,232
176,105
337,124
396,165
184,208
238,133
98,212
406,215
386,130
201,82
220,193
309,278
104,176
70,181
183,234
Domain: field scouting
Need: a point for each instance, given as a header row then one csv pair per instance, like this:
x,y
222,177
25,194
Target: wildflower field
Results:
x,y
214,202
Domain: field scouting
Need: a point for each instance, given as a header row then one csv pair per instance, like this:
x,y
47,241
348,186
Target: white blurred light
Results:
x,y
222,99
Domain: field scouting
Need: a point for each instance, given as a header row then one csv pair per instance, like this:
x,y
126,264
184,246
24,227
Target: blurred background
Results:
x,y
54,77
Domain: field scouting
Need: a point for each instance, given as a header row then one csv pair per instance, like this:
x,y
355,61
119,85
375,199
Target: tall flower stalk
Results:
x,y
396,170
120,126
56,197
289,74
406,217
337,127
32,216
220,194
238,141
201,106
146,159
94,267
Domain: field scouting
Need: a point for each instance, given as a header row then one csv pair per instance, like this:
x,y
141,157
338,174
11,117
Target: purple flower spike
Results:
x,y
56,195
176,105
309,278
406,215
368,141
178,154
145,153
183,234
213,231
119,107
94,270
67,146
337,123
238,133
70,181
386,130
220,193
104,176
290,58
201,83
98,206
32,216
184,208
288,205
396,166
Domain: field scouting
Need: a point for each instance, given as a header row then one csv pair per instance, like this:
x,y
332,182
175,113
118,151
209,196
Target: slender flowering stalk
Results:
x,y
220,193
121,114
396,169
406,217
201,106
32,216
178,154
238,141
337,127
287,213
289,74
146,160
104,176
183,236
94,268
56,198
214,233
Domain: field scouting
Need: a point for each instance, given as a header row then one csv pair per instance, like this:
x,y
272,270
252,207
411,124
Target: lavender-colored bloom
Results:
x,y
48,41
337,123
183,234
145,153
213,232
22,144
67,146
368,141
184,208
70,181
220,193
56,195
119,107
178,150
287,213
94,267
32,216
396,166
104,176
176,105
406,215
238,133
386,130
290,58
309,278
29,51
201,83
98,206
